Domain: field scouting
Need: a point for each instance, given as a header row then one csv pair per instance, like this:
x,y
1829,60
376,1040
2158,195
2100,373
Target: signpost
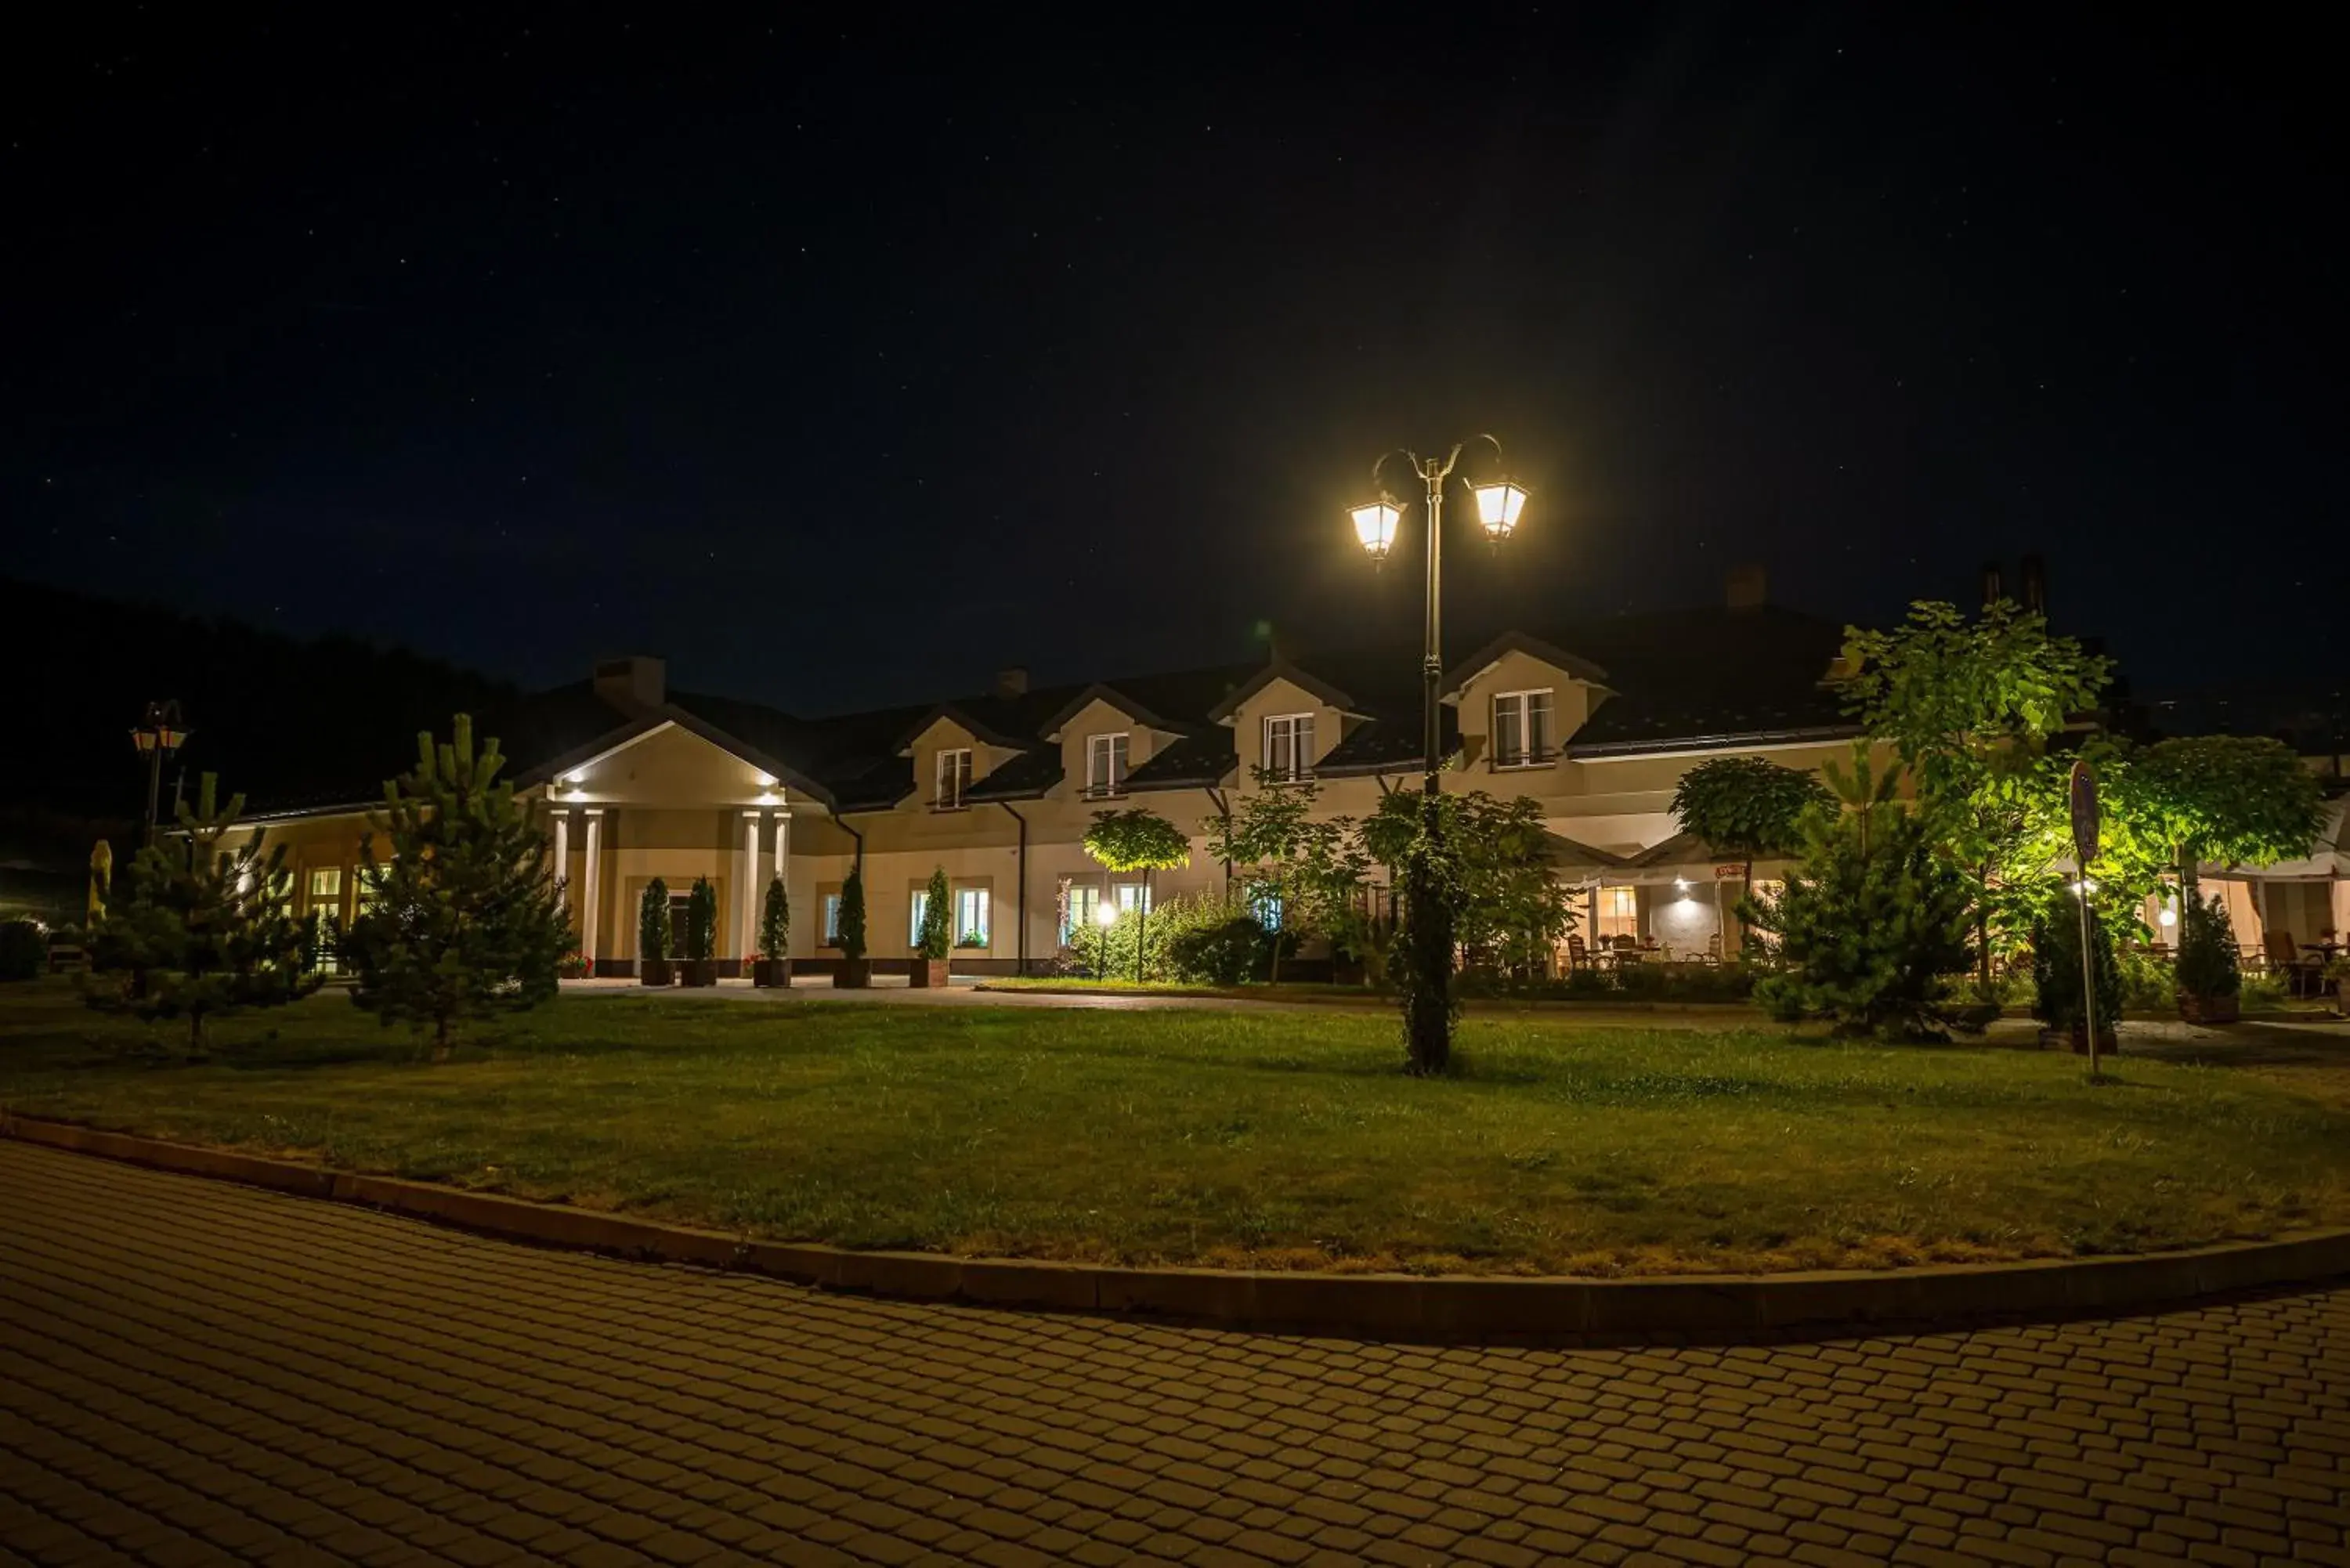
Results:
x,y
2082,791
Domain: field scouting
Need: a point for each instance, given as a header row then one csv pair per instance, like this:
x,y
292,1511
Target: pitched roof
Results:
x,y
1024,777
1485,657
1195,762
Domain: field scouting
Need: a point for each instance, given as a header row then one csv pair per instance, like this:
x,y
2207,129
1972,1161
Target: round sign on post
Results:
x,y
2084,815
2084,793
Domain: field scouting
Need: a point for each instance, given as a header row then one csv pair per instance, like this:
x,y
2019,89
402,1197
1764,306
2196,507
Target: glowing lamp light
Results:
x,y
2084,887
1499,506
1105,915
1375,525
143,739
766,781
2167,916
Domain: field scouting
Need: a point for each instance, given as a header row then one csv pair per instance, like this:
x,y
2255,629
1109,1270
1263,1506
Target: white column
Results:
x,y
588,877
562,858
749,938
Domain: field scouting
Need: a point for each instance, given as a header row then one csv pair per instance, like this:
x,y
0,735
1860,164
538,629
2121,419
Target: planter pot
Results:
x,y
2208,1009
2077,1037
928,975
774,974
855,975
699,971
655,971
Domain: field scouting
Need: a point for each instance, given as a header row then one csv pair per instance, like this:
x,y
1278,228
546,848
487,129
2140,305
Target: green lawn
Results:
x,y
1273,1138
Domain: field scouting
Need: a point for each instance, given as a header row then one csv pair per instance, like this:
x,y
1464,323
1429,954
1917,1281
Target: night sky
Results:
x,y
845,363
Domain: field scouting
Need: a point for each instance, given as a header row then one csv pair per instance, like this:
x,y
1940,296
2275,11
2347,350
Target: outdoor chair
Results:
x,y
2285,958
1577,955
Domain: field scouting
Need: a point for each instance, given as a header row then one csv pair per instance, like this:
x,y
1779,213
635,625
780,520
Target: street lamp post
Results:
x,y
159,732
1500,503
1105,917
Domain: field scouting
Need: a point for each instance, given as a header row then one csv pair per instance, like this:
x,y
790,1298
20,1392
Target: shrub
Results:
x,y
2056,964
2147,982
1229,950
2206,949
852,914
24,950
2262,991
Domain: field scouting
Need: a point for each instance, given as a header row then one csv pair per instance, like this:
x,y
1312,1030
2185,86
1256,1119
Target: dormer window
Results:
x,y
1289,747
1522,729
1105,764
954,779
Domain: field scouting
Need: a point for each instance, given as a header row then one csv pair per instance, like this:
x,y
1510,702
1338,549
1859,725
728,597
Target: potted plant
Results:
x,y
2209,985
930,969
856,972
653,935
700,934
774,969
2056,976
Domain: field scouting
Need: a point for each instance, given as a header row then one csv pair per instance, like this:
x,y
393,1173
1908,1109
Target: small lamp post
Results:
x,y
1500,502
1105,917
160,731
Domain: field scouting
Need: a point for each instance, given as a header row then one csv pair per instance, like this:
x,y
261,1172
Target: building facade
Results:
x,y
1596,724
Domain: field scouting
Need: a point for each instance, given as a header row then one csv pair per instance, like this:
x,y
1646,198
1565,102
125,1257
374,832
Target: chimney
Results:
x,y
2036,585
636,684
1993,585
1011,682
1749,588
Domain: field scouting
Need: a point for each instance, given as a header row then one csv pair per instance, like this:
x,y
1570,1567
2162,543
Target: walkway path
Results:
x,y
195,1373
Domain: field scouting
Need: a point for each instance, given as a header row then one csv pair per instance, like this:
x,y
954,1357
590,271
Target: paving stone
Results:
x,y
193,1372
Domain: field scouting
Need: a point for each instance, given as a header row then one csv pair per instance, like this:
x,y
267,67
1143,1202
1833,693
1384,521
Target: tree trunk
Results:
x,y
1142,927
441,1040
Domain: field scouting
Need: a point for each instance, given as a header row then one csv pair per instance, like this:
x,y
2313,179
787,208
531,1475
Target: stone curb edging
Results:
x,y
1378,1307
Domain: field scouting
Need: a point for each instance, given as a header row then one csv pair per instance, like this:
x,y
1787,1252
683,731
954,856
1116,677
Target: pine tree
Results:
x,y
199,930
1874,921
464,918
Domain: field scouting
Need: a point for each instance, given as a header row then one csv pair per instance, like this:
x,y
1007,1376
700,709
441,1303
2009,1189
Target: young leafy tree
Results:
x,y
2234,799
1747,807
852,914
1311,866
775,921
1873,922
2056,962
198,930
1513,911
2208,966
1137,840
1967,707
654,935
464,919
937,935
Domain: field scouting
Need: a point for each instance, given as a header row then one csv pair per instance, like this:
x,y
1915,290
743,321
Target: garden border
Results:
x,y
1439,1308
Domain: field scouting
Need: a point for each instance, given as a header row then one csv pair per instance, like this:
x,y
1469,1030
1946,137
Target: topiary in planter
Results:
x,y
854,971
2210,986
2056,971
774,966
653,934
931,947
701,933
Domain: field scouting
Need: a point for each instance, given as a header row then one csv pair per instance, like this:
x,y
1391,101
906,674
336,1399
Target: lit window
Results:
x,y
1105,764
1619,912
914,920
1289,746
1522,729
971,916
1131,897
326,885
1077,914
832,919
954,779
1265,905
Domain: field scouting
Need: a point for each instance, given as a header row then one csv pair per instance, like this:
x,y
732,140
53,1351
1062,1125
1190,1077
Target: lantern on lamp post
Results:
x,y
160,731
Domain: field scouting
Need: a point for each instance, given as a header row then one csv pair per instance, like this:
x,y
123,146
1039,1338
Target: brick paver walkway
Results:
x,y
192,1372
